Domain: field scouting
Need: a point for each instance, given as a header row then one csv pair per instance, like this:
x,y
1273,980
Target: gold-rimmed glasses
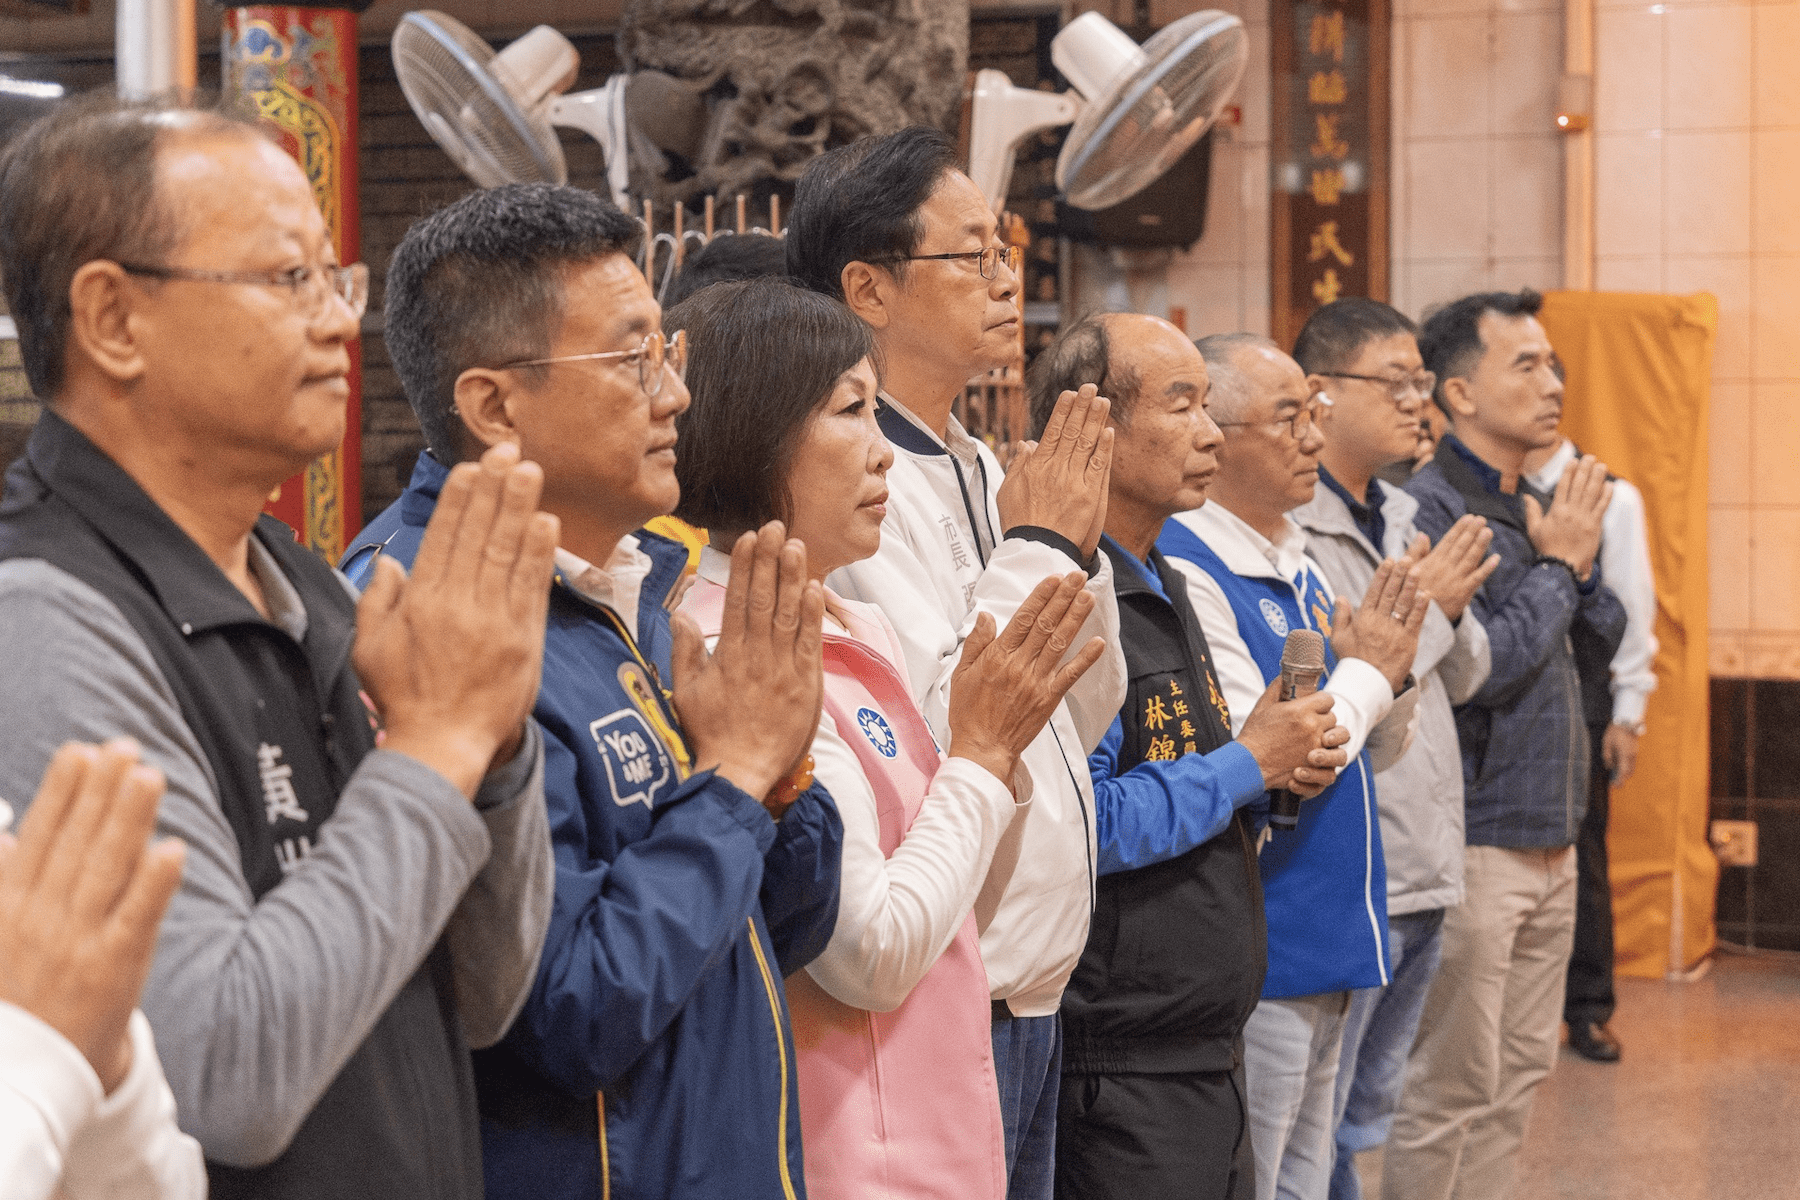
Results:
x,y
652,354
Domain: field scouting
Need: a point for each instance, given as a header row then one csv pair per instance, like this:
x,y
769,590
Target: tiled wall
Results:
x,y
1478,176
1223,282
1698,135
1476,195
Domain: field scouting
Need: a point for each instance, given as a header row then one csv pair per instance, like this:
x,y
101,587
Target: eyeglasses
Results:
x,y
310,288
1303,422
1419,383
991,257
652,354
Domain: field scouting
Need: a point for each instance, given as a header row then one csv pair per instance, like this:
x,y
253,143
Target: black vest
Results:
x,y
282,725
1176,954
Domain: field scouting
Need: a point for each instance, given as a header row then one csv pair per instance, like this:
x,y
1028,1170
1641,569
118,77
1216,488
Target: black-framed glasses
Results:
x,y
310,288
991,257
652,354
1303,422
1419,383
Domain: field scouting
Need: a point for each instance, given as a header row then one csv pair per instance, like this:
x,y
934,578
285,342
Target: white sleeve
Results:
x,y
898,580
1625,566
56,1128
897,914
1360,694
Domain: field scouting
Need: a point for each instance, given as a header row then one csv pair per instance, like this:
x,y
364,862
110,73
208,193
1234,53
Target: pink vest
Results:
x,y
902,1103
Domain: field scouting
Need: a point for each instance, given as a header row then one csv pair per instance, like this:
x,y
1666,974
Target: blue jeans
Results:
x,y
1291,1048
1028,1064
1378,1037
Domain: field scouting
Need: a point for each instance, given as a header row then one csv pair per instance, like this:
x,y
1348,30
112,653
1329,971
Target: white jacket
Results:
x,y
942,560
61,1136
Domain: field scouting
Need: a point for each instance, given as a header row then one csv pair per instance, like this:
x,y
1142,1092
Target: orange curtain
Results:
x,y
1638,387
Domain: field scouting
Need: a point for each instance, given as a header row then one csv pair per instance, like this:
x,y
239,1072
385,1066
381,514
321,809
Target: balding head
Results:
x,y
1266,465
1232,390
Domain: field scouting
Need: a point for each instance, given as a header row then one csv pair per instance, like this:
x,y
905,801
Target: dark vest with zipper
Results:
x,y
282,726
1176,954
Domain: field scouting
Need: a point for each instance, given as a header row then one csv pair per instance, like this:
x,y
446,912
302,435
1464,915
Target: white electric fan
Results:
x,y
1135,109
492,113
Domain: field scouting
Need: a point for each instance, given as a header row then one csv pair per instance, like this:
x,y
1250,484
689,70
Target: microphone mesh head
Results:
x,y
1304,650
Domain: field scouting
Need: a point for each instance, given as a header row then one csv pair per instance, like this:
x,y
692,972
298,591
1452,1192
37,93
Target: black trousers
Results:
x,y
1589,992
1146,1137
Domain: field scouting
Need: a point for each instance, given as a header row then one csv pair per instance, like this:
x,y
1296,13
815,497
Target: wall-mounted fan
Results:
x,y
1135,109
493,113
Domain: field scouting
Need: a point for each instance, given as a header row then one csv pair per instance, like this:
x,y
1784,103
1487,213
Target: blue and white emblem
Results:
x,y
1272,613
877,730
636,767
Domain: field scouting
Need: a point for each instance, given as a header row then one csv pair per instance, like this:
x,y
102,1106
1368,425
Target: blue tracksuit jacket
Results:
x,y
653,1057
1325,883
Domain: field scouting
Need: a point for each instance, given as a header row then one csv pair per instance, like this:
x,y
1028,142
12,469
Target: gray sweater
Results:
x,y
1420,797
257,1005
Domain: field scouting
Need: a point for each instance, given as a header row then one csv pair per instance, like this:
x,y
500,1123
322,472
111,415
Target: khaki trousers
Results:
x,y
1490,1030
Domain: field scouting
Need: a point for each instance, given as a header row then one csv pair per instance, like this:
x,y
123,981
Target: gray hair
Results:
x,y
1231,393
79,184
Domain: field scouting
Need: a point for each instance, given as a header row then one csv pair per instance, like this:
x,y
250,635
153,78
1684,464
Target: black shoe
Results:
x,y
1593,1041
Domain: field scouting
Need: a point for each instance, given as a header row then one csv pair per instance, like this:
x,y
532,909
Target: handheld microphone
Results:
x,y
1302,662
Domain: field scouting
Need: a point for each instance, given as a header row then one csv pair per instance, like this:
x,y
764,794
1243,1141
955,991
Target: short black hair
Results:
x,y
727,259
480,283
1450,343
79,184
763,354
1079,355
860,203
1336,333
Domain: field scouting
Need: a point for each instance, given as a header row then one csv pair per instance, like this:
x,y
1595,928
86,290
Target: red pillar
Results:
x,y
297,68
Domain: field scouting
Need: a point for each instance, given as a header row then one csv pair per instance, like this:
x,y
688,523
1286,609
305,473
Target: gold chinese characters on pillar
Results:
x,y
1328,224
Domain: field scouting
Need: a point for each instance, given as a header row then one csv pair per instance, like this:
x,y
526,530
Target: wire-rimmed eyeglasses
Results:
x,y
651,354
1419,383
991,257
1301,423
310,287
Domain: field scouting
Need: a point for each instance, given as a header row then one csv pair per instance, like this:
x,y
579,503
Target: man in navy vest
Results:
x,y
351,918
1153,1083
1325,892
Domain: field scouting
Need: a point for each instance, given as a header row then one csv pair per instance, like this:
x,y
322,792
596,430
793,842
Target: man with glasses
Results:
x,y
653,1057
1365,356
892,228
350,918
1490,1027
1251,582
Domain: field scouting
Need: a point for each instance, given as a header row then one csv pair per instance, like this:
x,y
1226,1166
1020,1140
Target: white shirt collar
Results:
x,y
1242,549
615,585
1545,478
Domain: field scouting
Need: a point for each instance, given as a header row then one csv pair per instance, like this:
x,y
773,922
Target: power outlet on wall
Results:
x,y
1734,842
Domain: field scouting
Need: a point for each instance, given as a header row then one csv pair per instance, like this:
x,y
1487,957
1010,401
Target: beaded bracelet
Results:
x,y
789,789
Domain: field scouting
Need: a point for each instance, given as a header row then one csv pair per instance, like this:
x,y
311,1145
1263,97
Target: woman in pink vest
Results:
x,y
892,1022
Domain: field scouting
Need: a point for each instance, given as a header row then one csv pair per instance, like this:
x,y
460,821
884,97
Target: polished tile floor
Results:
x,y
1704,1106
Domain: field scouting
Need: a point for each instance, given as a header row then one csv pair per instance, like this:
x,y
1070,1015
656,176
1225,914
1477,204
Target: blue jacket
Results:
x,y
1324,883
679,907
1524,740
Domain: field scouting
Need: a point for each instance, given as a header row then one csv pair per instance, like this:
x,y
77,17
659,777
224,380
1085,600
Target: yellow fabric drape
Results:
x,y
1639,370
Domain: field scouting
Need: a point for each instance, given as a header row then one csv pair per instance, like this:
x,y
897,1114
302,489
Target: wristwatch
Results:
x,y
1636,727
